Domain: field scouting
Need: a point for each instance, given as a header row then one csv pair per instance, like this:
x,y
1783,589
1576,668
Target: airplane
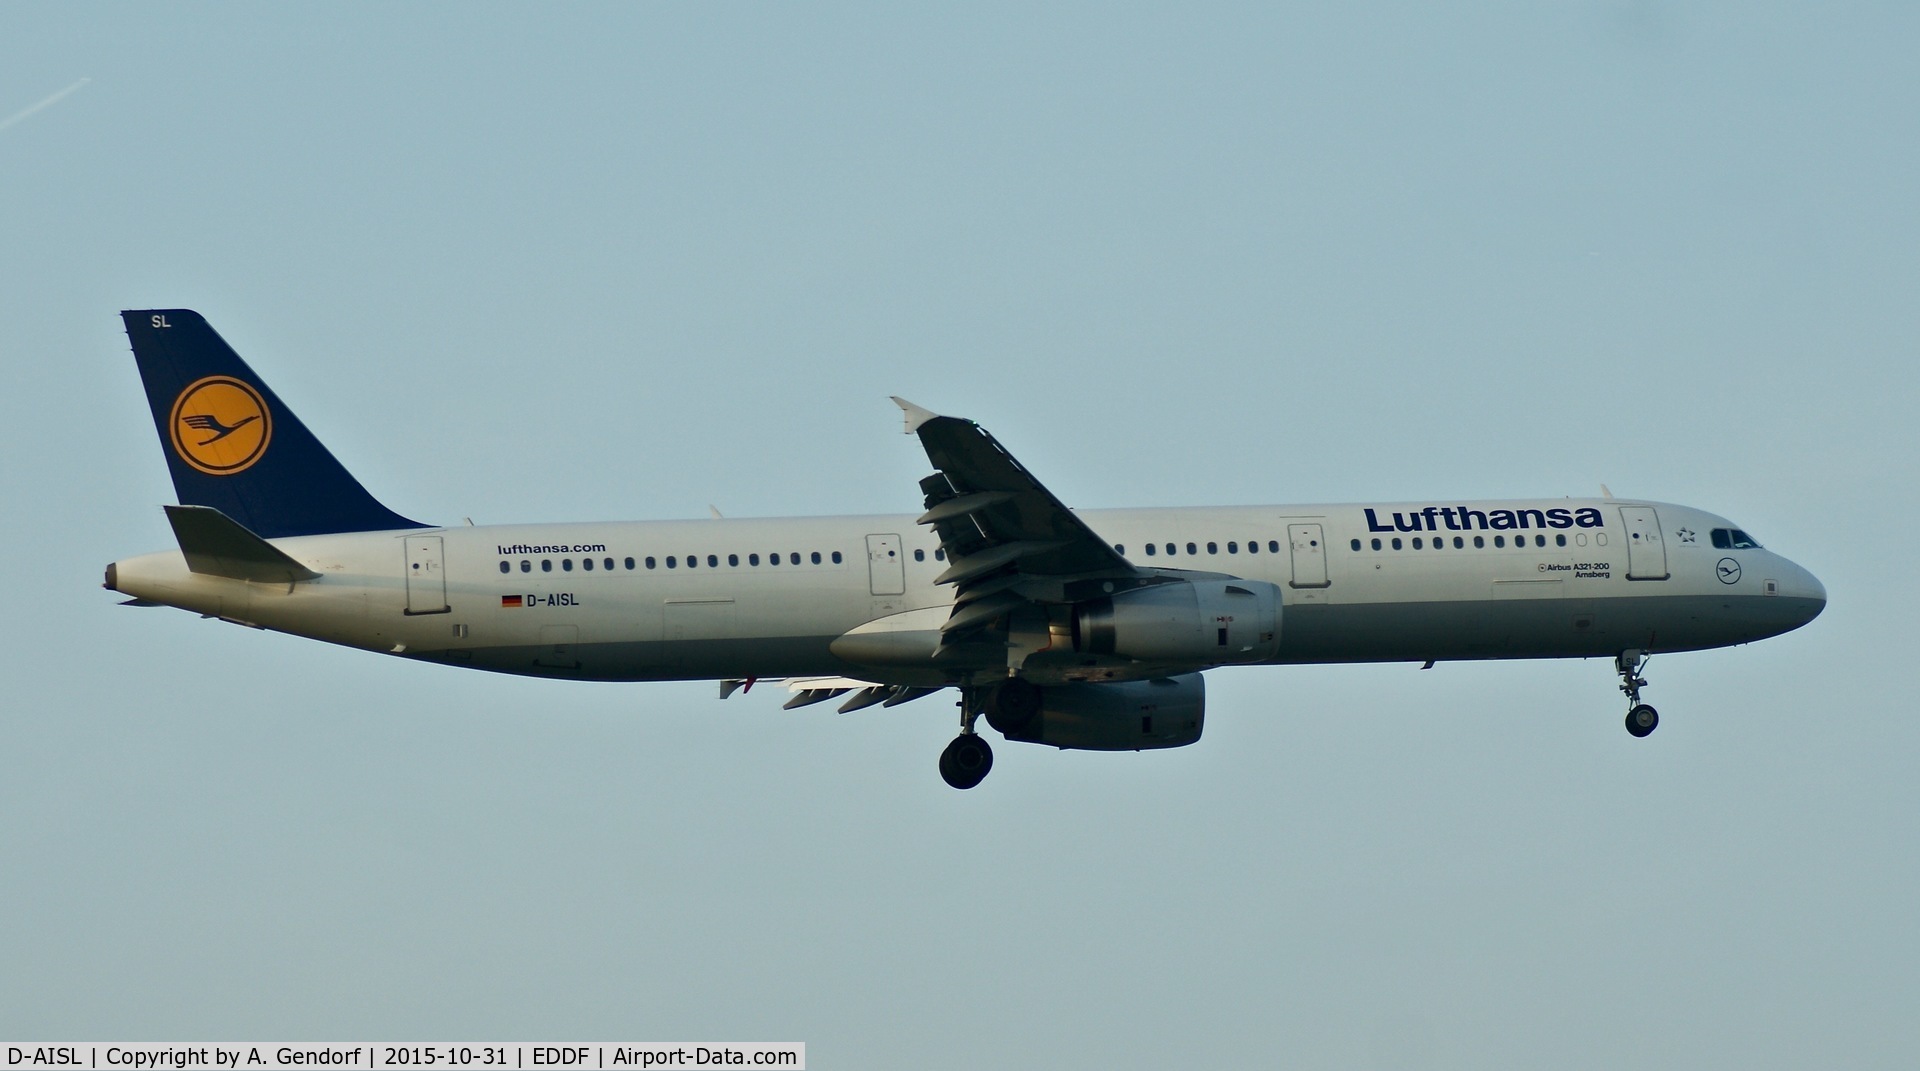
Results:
x,y
1076,629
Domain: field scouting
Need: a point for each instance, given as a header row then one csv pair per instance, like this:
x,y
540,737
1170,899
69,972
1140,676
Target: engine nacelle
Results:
x,y
1126,716
1194,622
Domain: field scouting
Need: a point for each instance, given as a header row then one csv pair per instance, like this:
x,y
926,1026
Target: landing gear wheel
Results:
x,y
1642,720
966,761
1011,704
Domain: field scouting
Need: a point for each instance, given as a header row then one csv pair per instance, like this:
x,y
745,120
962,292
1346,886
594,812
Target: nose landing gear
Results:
x,y
1641,719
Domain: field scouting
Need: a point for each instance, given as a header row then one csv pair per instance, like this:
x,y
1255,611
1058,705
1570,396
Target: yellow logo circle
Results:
x,y
221,425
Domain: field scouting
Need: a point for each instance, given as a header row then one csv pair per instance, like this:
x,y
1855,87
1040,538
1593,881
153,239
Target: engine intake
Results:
x,y
1196,622
1126,716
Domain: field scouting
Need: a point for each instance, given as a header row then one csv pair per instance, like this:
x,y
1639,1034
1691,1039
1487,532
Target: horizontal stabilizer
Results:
x,y
216,545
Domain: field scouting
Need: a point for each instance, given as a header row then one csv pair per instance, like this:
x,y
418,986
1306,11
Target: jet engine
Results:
x,y
1196,622
1125,716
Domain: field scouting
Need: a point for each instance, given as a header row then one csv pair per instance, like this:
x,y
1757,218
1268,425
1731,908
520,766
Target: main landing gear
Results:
x,y
1008,705
1642,719
967,761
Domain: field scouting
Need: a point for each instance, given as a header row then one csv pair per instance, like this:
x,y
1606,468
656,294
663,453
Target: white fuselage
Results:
x,y
600,601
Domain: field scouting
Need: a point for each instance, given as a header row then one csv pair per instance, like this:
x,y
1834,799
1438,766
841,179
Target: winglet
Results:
x,y
915,415
217,545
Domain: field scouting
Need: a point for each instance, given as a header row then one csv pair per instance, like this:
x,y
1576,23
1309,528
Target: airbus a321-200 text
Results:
x,y
1077,629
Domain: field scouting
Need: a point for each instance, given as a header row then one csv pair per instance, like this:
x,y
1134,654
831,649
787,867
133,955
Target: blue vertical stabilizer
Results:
x,y
232,444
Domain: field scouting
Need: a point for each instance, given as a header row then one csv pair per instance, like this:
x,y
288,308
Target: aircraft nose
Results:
x,y
1807,591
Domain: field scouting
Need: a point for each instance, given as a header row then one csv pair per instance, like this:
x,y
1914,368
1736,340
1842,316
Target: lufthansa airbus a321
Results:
x,y
1077,629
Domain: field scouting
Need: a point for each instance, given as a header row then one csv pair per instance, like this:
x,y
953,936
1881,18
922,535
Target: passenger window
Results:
x,y
693,561
630,564
1191,549
713,561
649,561
1376,543
505,568
1234,548
753,559
587,564
526,566
609,564
1396,542
1120,549
1356,544
1273,545
1500,541
1416,542
919,555
566,565
1152,550
940,554
732,559
670,563
1539,541
546,565
1560,539
773,559
1213,548
1253,546
836,557
1479,541
816,557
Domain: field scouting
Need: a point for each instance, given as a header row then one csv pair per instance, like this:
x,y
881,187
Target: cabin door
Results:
x,y
1646,551
426,579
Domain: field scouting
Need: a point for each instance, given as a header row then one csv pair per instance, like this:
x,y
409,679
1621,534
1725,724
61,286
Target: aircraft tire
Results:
x,y
1012,704
1642,720
966,762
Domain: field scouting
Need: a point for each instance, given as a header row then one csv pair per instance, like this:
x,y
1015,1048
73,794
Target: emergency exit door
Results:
x,y
886,569
1309,555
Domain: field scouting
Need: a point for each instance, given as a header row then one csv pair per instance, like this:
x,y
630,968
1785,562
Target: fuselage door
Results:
x,y
1646,551
426,578
885,567
1309,556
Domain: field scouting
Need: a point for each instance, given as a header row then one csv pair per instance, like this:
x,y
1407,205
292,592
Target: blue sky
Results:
x,y
523,264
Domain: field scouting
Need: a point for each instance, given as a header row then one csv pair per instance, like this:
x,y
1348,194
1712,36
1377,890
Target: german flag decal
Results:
x,y
510,600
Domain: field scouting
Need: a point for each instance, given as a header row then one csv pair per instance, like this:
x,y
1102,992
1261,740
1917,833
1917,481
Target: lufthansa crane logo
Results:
x,y
220,425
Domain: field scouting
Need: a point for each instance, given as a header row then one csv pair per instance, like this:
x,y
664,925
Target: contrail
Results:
x,y
48,103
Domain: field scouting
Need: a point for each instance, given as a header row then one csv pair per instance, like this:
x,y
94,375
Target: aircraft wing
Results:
x,y
1008,541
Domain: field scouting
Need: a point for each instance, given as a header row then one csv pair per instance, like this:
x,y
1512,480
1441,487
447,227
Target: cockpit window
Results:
x,y
1733,539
